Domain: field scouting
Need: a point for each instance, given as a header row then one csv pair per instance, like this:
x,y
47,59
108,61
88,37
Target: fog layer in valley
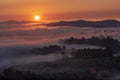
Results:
x,y
17,40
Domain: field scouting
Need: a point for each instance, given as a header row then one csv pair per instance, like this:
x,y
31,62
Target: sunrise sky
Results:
x,y
53,10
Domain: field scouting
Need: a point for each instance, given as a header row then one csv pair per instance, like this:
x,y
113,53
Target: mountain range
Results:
x,y
76,23
13,22
84,23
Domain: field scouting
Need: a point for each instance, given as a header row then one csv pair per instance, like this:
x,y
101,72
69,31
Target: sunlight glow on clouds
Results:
x,y
59,9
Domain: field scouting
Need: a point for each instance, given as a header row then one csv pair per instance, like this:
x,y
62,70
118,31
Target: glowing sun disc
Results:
x,y
37,17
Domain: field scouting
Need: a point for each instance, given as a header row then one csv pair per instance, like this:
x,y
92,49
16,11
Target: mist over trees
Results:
x,y
105,42
85,63
48,49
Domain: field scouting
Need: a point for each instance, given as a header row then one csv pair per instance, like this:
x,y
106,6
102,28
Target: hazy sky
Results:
x,y
59,9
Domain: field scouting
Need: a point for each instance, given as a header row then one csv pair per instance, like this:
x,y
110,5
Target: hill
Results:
x,y
83,23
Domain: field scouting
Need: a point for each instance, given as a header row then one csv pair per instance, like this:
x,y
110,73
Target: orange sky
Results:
x,y
52,10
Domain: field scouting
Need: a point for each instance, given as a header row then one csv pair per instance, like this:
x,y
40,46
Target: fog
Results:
x,y
31,59
17,40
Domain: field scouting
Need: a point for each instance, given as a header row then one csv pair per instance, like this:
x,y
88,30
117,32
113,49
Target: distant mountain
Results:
x,y
14,22
83,23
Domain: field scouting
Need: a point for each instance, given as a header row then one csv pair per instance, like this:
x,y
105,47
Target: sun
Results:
x,y
37,18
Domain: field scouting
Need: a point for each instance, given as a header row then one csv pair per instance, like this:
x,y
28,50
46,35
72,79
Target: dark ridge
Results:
x,y
106,42
83,23
47,50
14,22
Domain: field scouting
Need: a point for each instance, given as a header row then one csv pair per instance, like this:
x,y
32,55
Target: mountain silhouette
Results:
x,y
76,23
14,22
83,23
